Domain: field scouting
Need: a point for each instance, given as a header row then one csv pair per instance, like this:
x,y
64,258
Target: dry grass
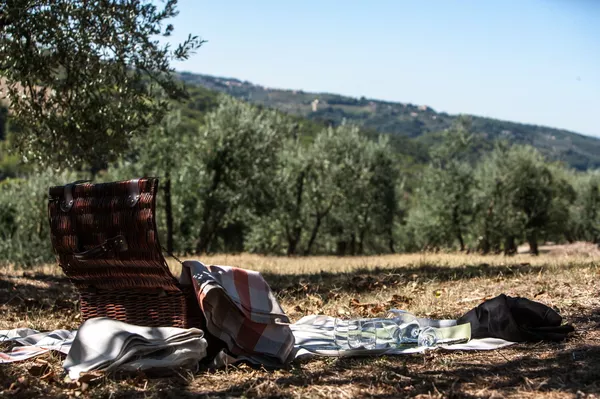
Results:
x,y
436,285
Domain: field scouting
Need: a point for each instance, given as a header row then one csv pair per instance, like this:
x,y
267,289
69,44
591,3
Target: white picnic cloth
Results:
x,y
15,334
314,335
35,343
107,344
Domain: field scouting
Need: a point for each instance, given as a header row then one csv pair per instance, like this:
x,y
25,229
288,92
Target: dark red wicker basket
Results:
x,y
106,242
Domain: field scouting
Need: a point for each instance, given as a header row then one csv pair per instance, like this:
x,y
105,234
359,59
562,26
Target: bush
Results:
x,y
24,228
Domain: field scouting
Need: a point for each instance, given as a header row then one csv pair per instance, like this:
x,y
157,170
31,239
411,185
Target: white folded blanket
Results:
x,y
107,344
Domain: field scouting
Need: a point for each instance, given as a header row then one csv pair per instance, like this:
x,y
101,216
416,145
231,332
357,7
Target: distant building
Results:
x,y
315,105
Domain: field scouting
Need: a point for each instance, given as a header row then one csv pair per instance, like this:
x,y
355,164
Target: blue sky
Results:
x,y
533,61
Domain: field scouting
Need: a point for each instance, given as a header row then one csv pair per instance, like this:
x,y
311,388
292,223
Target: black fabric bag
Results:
x,y
515,319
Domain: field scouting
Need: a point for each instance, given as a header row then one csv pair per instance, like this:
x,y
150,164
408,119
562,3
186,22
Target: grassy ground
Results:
x,y
440,286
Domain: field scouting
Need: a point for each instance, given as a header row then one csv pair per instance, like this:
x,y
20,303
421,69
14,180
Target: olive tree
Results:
x,y
235,157
443,202
82,77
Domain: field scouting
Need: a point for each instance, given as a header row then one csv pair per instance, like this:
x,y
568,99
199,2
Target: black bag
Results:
x,y
516,320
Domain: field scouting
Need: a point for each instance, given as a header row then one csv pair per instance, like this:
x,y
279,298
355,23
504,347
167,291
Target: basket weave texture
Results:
x,y
106,241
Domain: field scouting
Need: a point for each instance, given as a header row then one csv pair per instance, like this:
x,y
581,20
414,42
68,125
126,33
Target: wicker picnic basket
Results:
x,y
106,242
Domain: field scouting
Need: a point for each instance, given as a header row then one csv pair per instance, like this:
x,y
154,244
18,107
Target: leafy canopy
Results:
x,y
81,77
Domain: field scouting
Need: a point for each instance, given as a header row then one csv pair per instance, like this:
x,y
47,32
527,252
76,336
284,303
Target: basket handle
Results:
x,y
67,203
114,245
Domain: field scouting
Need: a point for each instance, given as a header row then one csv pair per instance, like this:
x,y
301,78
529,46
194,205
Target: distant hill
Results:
x,y
418,122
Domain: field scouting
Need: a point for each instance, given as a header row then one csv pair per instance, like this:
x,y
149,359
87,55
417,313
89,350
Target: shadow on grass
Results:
x,y
51,292
540,368
56,294
588,320
364,280
544,368
36,292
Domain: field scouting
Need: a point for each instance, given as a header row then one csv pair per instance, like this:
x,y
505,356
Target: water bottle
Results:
x,y
428,337
407,327
355,333
398,329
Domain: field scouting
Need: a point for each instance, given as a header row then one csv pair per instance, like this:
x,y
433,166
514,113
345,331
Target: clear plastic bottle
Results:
x,y
407,327
356,333
428,337
398,329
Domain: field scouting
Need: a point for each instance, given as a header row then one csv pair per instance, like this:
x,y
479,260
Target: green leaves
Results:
x,y
24,229
340,186
584,212
82,78
237,152
443,205
520,196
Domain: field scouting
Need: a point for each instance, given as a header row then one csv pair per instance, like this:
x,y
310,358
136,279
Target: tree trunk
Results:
x,y
313,235
208,228
292,245
353,244
207,234
455,221
391,242
319,218
496,247
484,246
203,241
202,244
294,237
169,212
392,246
340,248
361,242
533,243
510,248
460,240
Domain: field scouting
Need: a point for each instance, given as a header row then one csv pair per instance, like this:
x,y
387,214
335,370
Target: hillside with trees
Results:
x,y
239,177
242,177
408,120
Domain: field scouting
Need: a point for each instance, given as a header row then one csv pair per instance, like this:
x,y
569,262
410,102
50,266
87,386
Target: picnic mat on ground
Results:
x,y
35,343
314,335
109,344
